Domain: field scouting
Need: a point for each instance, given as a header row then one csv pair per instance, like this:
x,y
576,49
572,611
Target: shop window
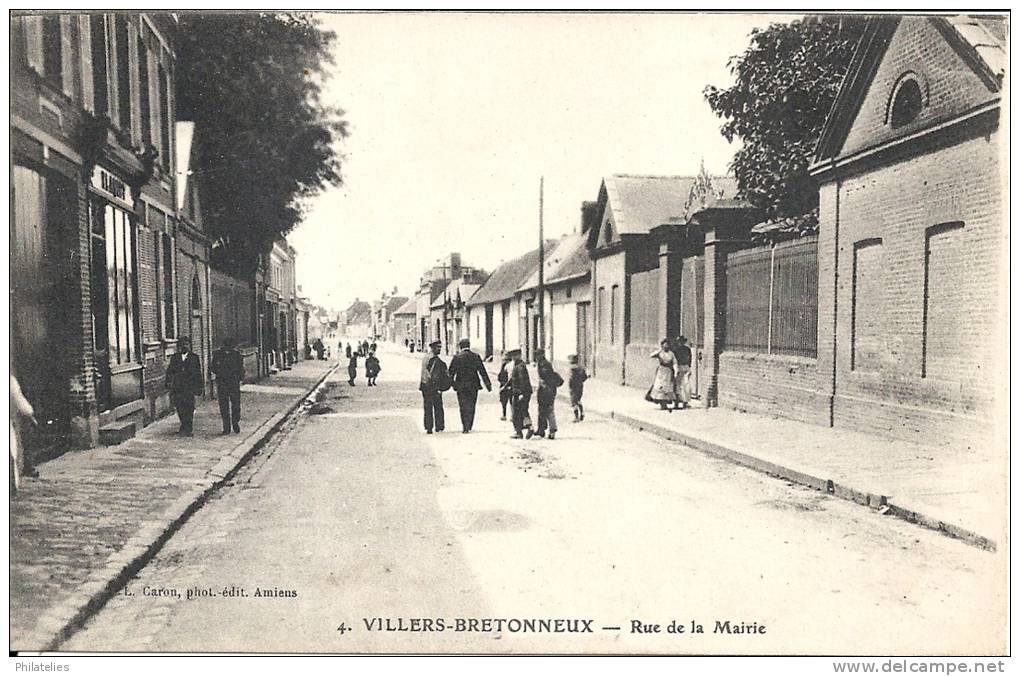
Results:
x,y
116,246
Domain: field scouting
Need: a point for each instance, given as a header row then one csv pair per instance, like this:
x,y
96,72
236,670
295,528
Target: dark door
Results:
x,y
692,315
582,334
488,330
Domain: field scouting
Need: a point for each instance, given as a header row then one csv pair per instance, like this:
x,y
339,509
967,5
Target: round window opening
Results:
x,y
907,104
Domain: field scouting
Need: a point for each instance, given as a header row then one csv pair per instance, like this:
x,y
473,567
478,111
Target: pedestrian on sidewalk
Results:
x,y
467,372
228,367
548,381
576,383
435,379
352,368
372,368
683,377
663,389
184,381
348,349
520,396
504,382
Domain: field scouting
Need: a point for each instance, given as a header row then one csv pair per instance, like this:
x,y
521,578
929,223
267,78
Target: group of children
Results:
x,y
372,367
515,389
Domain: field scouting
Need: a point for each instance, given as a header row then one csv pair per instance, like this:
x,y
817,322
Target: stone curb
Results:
x,y
61,621
811,478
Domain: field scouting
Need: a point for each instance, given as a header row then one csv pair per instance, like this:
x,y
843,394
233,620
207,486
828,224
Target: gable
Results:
x,y
950,86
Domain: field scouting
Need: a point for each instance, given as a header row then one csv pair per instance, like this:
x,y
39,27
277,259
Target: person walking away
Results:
x,y
228,367
352,368
520,397
683,379
663,388
434,381
21,413
372,368
184,381
548,381
576,383
467,372
504,382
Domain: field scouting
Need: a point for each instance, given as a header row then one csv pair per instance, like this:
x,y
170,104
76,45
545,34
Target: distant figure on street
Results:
x,y
504,382
410,346
434,381
372,348
683,376
228,367
319,348
520,396
548,381
576,383
372,368
468,374
352,369
184,381
663,388
348,349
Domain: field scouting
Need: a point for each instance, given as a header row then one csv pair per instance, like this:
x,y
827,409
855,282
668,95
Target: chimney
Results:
x,y
589,215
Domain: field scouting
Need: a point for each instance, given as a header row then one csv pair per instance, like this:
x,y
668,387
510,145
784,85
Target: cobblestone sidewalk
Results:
x,y
90,515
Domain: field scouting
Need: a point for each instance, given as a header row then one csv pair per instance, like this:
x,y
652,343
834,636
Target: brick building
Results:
x,y
194,294
93,230
911,253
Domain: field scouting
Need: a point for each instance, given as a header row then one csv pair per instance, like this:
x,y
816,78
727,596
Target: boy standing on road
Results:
x,y
504,382
520,396
576,383
548,381
372,368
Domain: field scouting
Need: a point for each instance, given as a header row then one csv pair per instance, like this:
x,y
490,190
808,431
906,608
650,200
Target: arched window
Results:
x,y
907,101
196,294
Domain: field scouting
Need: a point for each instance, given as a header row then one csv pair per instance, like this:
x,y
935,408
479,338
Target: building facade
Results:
x,y
912,271
93,235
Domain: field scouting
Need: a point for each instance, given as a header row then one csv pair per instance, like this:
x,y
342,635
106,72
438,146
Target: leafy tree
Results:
x,y
252,83
786,82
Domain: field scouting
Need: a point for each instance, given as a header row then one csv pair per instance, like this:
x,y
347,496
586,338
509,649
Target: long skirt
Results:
x,y
663,388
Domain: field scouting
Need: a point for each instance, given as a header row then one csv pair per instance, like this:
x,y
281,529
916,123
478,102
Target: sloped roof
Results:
x,y
394,302
986,35
185,134
455,287
505,279
979,40
357,307
567,260
640,203
410,307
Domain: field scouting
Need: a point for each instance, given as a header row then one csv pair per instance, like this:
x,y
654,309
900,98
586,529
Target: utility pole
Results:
x,y
541,265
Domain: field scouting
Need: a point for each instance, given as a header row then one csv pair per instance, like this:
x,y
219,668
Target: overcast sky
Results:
x,y
454,117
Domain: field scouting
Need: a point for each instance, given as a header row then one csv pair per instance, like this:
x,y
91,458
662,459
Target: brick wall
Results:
x,y
780,385
897,207
609,355
949,87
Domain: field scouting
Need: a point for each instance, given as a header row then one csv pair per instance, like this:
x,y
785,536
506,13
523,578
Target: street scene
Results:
x,y
428,333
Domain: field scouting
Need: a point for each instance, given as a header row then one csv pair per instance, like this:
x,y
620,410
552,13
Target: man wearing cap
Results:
x,y
434,381
520,396
468,374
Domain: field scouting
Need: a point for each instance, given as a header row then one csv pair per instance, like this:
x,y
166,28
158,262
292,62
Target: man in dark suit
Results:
x,y
468,373
228,367
184,381
434,379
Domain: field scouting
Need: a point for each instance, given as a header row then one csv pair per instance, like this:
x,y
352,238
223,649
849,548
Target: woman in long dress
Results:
x,y
663,389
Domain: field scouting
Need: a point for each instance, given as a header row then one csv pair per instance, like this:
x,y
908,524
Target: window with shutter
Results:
x,y
100,75
67,54
33,26
85,54
123,74
52,50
